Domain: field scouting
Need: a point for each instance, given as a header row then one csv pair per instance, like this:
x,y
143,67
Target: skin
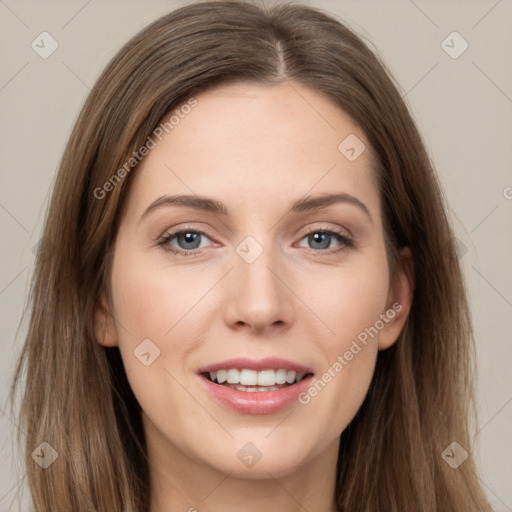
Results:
x,y
257,149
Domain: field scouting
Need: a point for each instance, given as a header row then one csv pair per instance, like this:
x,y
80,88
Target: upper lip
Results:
x,y
268,363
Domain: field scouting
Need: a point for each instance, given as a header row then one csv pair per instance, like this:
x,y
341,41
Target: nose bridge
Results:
x,y
259,298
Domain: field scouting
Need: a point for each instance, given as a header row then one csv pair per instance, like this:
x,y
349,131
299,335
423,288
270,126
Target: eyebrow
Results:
x,y
309,203
305,204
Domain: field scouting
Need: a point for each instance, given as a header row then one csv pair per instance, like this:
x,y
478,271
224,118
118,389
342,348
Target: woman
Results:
x,y
252,297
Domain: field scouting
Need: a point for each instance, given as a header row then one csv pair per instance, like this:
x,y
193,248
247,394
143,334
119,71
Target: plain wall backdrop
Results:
x,y
460,97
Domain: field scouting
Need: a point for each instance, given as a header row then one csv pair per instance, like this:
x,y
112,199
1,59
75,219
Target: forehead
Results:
x,y
247,142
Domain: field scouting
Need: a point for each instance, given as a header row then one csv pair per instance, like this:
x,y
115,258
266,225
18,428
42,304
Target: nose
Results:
x,y
259,299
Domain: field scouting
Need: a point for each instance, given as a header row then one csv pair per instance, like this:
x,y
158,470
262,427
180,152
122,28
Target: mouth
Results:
x,y
255,387
250,381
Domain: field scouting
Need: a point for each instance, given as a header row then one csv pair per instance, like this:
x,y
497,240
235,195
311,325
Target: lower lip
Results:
x,y
257,402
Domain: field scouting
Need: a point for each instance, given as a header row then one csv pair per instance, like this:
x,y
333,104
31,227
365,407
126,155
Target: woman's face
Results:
x,y
227,260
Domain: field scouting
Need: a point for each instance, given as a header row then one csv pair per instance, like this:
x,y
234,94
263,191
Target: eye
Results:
x,y
184,241
187,242
322,239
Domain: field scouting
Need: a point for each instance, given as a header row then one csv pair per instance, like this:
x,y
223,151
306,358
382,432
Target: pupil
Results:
x,y
317,238
189,238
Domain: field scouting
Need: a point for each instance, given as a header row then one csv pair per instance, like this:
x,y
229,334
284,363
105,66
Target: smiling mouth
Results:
x,y
255,381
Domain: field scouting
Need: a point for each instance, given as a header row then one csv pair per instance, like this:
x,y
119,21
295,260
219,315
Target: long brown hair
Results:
x,y
77,397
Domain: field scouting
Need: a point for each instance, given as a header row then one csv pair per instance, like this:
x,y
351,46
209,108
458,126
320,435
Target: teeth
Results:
x,y
254,388
233,376
248,377
265,379
281,376
290,377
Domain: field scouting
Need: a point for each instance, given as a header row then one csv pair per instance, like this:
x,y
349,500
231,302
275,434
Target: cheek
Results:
x,y
152,310
151,301
351,307
155,309
350,302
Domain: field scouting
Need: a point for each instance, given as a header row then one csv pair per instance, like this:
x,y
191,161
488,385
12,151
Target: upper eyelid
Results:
x,y
168,232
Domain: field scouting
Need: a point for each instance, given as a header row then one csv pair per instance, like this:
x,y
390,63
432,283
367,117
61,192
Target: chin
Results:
x,y
259,457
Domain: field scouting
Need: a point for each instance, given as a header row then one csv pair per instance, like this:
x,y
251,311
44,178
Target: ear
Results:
x,y
399,300
104,324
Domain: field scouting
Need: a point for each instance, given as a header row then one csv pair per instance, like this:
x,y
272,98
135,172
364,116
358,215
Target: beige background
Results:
x,y
463,107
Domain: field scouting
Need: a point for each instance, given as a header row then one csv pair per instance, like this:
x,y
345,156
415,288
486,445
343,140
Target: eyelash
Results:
x,y
340,237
